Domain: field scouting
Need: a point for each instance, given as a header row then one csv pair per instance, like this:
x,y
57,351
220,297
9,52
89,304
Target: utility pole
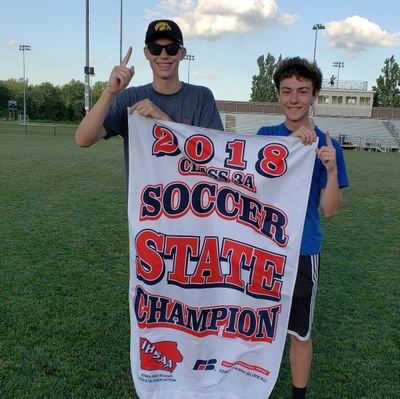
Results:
x,y
88,70
338,65
317,27
189,58
23,48
120,36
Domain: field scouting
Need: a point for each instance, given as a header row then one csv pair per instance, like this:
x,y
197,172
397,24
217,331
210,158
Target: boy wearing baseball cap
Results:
x,y
163,28
165,98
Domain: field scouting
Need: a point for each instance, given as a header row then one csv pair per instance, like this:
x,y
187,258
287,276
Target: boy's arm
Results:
x,y
331,198
91,128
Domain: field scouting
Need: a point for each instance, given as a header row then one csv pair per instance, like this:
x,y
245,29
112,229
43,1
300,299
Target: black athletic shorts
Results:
x,y
304,294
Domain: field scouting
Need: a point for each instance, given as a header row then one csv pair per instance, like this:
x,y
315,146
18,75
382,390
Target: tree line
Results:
x,y
46,101
387,89
66,103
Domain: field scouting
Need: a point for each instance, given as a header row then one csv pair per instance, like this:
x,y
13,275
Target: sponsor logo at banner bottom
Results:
x,y
205,365
244,368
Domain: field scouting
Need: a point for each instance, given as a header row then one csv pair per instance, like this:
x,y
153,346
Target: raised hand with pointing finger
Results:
x,y
121,75
327,154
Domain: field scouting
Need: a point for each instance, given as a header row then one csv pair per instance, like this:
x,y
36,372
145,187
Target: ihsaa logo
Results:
x,y
163,355
205,365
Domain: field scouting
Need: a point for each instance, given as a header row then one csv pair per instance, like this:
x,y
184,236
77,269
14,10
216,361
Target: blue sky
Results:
x,y
225,36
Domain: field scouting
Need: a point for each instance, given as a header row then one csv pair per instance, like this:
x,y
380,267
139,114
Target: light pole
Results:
x,y
120,35
23,48
338,65
317,27
189,57
88,70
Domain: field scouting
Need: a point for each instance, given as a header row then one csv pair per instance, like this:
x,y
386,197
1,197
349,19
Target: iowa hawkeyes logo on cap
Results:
x,y
162,26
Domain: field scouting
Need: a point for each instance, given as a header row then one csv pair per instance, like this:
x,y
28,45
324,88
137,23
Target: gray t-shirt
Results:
x,y
191,105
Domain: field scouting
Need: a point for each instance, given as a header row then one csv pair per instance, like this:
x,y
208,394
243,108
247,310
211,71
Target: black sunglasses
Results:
x,y
156,49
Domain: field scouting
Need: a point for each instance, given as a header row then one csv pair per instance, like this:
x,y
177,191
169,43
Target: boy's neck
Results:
x,y
295,125
167,86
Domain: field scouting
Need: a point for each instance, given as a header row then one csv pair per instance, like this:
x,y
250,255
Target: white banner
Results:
x,y
215,224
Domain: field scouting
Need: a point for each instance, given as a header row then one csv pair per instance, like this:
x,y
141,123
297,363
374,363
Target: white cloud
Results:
x,y
210,19
12,43
176,5
357,34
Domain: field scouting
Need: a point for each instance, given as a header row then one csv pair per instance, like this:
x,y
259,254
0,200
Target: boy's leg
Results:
x,y
300,323
300,356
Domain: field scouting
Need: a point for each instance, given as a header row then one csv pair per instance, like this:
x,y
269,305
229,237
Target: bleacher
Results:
x,y
359,133
395,123
249,123
352,133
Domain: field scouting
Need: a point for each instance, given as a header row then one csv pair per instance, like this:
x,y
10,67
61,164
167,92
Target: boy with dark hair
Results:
x,y
298,83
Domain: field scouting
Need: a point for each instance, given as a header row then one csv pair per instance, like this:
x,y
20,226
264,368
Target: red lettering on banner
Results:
x,y
272,160
239,178
166,142
235,149
199,148
150,264
264,269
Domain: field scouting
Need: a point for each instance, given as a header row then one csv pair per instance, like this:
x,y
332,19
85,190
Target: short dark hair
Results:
x,y
301,68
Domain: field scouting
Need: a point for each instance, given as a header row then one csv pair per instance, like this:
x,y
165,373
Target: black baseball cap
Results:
x,y
163,28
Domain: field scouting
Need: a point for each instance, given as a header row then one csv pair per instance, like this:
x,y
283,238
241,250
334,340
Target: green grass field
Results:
x,y
64,319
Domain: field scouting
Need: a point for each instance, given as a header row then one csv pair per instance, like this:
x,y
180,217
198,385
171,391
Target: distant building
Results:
x,y
346,98
345,111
